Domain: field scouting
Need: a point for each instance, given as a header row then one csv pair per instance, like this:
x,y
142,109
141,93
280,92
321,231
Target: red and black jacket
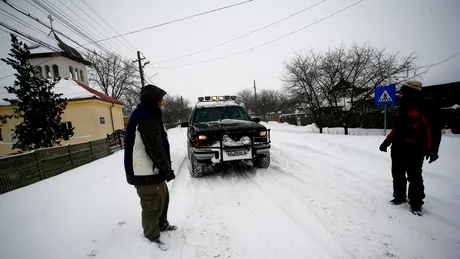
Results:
x,y
411,128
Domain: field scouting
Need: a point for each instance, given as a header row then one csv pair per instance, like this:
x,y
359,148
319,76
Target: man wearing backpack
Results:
x,y
411,141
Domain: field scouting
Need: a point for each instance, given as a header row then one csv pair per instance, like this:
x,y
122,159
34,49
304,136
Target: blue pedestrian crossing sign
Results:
x,y
385,95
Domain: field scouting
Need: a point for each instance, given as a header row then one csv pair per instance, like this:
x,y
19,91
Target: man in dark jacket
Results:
x,y
148,162
412,140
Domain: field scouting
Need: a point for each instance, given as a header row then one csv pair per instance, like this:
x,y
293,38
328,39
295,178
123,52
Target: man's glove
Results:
x,y
432,156
384,146
169,175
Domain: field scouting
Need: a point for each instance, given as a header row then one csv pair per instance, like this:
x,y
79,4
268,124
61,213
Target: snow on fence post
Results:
x,y
71,156
39,163
91,149
119,140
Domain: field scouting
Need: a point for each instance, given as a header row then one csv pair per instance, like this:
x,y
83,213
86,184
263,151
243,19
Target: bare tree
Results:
x,y
114,75
301,83
267,101
131,98
176,109
344,78
351,76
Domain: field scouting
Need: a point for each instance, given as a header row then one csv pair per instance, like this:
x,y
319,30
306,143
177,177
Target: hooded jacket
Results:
x,y
147,153
411,125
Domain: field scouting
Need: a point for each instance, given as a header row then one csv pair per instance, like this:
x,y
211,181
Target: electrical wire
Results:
x,y
244,35
44,44
56,13
109,33
106,22
84,20
49,27
267,42
22,22
173,21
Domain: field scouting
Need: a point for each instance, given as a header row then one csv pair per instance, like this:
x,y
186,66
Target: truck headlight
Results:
x,y
263,133
202,137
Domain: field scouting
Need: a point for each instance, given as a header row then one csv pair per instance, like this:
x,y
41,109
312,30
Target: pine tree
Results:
x,y
36,104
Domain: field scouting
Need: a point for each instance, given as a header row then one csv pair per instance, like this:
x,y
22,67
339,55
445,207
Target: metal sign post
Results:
x,y
385,95
385,122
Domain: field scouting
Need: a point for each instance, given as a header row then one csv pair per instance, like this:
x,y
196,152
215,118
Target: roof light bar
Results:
x,y
216,98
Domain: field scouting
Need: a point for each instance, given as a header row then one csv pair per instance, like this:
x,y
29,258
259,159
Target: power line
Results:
x,y
44,44
49,27
109,33
268,42
56,12
443,61
173,21
106,22
84,20
22,22
244,35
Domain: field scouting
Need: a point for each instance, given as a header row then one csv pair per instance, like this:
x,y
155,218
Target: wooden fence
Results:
x,y
117,140
25,169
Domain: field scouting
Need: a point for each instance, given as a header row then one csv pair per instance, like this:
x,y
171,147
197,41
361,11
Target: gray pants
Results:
x,y
154,201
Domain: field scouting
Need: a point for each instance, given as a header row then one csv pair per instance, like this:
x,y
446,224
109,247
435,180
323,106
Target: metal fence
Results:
x,y
21,170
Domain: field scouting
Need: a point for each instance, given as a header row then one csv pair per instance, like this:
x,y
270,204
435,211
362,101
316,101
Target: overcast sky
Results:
x,y
427,26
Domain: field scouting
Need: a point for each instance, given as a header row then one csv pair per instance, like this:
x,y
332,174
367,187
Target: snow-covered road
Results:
x,y
324,196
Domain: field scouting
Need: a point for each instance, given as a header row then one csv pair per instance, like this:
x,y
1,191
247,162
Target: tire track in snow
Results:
x,y
249,213
301,225
334,167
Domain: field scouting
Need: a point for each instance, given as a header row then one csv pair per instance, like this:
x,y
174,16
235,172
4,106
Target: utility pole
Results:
x,y
141,72
255,98
181,108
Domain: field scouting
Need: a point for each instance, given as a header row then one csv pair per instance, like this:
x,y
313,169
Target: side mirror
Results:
x,y
185,124
255,119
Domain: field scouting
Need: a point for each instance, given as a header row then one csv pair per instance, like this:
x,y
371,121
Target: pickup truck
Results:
x,y
219,131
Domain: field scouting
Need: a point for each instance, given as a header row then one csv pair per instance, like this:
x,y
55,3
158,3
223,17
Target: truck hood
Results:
x,y
228,125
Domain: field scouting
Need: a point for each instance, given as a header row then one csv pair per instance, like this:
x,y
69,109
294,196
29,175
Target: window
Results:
x,y
220,113
56,71
77,75
48,71
71,72
102,120
39,71
82,78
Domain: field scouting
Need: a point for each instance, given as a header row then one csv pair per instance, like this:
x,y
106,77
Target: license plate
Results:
x,y
237,153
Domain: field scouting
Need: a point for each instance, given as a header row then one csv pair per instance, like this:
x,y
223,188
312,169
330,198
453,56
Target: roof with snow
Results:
x,y
67,51
70,89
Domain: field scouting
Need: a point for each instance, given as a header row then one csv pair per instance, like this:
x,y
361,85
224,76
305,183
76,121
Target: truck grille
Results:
x,y
238,135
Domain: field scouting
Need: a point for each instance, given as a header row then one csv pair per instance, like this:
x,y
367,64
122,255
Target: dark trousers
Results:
x,y
407,159
155,202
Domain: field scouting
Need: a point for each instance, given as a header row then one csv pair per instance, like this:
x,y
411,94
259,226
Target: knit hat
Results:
x,y
151,95
416,85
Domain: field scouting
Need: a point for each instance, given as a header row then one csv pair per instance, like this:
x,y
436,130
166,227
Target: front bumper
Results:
x,y
224,154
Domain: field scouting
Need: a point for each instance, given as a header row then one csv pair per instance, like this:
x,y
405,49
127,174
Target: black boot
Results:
x,y
169,228
163,246
416,209
398,201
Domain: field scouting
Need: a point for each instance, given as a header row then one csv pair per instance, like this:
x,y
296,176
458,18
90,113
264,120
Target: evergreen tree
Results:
x,y
35,103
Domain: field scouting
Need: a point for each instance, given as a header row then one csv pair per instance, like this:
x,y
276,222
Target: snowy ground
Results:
x,y
324,196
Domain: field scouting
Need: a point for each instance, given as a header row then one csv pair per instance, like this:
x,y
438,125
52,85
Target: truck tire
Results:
x,y
197,168
263,162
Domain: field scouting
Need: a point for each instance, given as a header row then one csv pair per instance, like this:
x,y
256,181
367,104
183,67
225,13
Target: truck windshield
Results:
x,y
204,115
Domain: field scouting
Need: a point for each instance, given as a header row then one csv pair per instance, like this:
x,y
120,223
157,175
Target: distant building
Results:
x,y
90,112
